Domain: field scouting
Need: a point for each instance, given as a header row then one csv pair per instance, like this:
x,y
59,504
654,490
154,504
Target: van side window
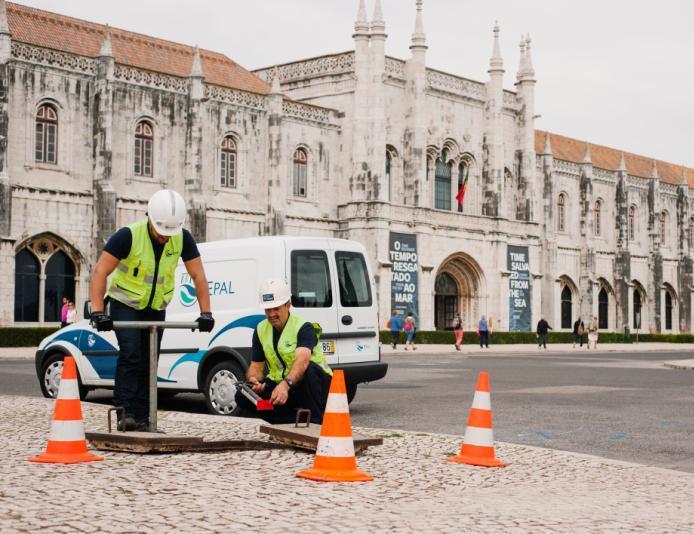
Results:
x,y
311,279
355,289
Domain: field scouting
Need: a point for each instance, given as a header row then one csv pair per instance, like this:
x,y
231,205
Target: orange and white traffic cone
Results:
x,y
66,444
478,444
335,460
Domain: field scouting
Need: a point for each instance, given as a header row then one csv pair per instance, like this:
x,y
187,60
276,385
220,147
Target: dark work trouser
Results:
x,y
542,340
131,389
484,338
311,393
394,337
578,339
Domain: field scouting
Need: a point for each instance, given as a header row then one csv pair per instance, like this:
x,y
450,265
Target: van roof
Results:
x,y
272,240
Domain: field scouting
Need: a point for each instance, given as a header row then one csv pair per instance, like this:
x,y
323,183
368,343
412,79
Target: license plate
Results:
x,y
328,347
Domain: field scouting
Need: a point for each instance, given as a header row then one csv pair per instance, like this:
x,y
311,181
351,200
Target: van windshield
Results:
x,y
355,290
311,279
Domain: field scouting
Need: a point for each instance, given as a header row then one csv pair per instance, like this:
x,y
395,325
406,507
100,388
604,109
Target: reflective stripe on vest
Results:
x,y
133,277
280,364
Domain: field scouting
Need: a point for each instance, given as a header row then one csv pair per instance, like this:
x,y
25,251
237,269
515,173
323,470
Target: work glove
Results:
x,y
101,321
205,322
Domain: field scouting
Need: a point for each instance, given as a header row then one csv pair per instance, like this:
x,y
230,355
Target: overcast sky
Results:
x,y
614,72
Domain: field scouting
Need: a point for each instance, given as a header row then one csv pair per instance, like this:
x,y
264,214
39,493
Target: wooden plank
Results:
x,y
307,437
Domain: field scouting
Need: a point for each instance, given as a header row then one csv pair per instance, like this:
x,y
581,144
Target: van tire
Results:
x,y
351,392
220,390
51,369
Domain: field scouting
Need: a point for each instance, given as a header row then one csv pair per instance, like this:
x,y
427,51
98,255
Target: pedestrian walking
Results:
x,y
395,326
410,330
458,330
63,312
543,329
579,330
71,313
141,261
483,332
593,333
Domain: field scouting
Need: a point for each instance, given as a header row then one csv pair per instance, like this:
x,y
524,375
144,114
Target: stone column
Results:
x,y
197,205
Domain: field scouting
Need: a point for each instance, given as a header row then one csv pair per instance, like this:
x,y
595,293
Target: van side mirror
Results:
x,y
87,312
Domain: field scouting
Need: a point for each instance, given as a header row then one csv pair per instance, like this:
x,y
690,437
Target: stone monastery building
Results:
x,y
357,145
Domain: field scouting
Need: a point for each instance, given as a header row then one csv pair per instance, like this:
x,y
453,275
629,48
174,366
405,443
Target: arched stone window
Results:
x,y
46,150
60,282
26,287
44,274
668,310
442,177
446,301
603,309
227,163
561,213
663,228
598,217
144,149
638,303
631,230
299,173
566,305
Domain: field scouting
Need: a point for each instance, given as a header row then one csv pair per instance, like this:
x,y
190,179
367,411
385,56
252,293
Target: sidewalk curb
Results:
x,y
680,364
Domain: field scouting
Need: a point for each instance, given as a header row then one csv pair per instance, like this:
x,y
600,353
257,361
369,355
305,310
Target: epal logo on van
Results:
x,y
188,297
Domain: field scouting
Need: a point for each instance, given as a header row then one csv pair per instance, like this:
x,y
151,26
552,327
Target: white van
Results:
x,y
331,285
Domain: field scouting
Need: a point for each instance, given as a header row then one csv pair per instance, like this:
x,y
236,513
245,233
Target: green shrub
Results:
x,y
23,337
447,337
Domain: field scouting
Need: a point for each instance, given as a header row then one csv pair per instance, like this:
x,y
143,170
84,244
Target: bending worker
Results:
x,y
143,257
298,375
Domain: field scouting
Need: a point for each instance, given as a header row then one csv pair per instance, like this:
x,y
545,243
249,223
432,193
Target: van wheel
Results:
x,y
220,388
49,379
351,392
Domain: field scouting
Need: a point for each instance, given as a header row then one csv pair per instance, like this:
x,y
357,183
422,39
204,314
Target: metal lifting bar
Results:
x,y
154,327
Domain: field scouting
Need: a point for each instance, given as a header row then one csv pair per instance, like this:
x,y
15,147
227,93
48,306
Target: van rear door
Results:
x,y
357,315
313,290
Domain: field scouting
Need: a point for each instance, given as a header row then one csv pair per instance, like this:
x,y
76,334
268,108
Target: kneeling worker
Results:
x,y
298,374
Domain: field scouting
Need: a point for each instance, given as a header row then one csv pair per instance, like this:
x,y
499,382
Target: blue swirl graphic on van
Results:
x,y
249,321
187,296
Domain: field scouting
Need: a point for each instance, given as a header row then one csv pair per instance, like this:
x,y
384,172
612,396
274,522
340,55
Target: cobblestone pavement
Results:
x,y
415,489
30,352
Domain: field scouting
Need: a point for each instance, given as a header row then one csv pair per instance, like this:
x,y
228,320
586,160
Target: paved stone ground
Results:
x,y
415,488
30,352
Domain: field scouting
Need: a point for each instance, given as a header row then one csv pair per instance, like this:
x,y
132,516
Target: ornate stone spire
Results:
x,y
521,63
419,38
378,24
196,68
4,25
275,90
361,25
586,155
529,69
654,171
496,63
622,164
106,49
547,150
683,177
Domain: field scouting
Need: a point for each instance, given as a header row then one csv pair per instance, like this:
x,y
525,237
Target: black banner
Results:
x,y
403,277
519,289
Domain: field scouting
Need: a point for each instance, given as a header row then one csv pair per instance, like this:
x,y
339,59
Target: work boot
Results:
x,y
126,424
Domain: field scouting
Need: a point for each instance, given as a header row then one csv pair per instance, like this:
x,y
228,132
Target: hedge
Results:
x,y
23,337
447,337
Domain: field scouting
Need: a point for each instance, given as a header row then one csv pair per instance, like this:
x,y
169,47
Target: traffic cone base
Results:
x,y
67,444
335,460
475,455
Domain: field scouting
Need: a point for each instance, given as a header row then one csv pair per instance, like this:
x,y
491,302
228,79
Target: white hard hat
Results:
x,y
274,292
167,212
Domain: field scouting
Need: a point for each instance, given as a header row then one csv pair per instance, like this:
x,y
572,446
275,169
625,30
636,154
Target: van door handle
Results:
x,y
346,319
